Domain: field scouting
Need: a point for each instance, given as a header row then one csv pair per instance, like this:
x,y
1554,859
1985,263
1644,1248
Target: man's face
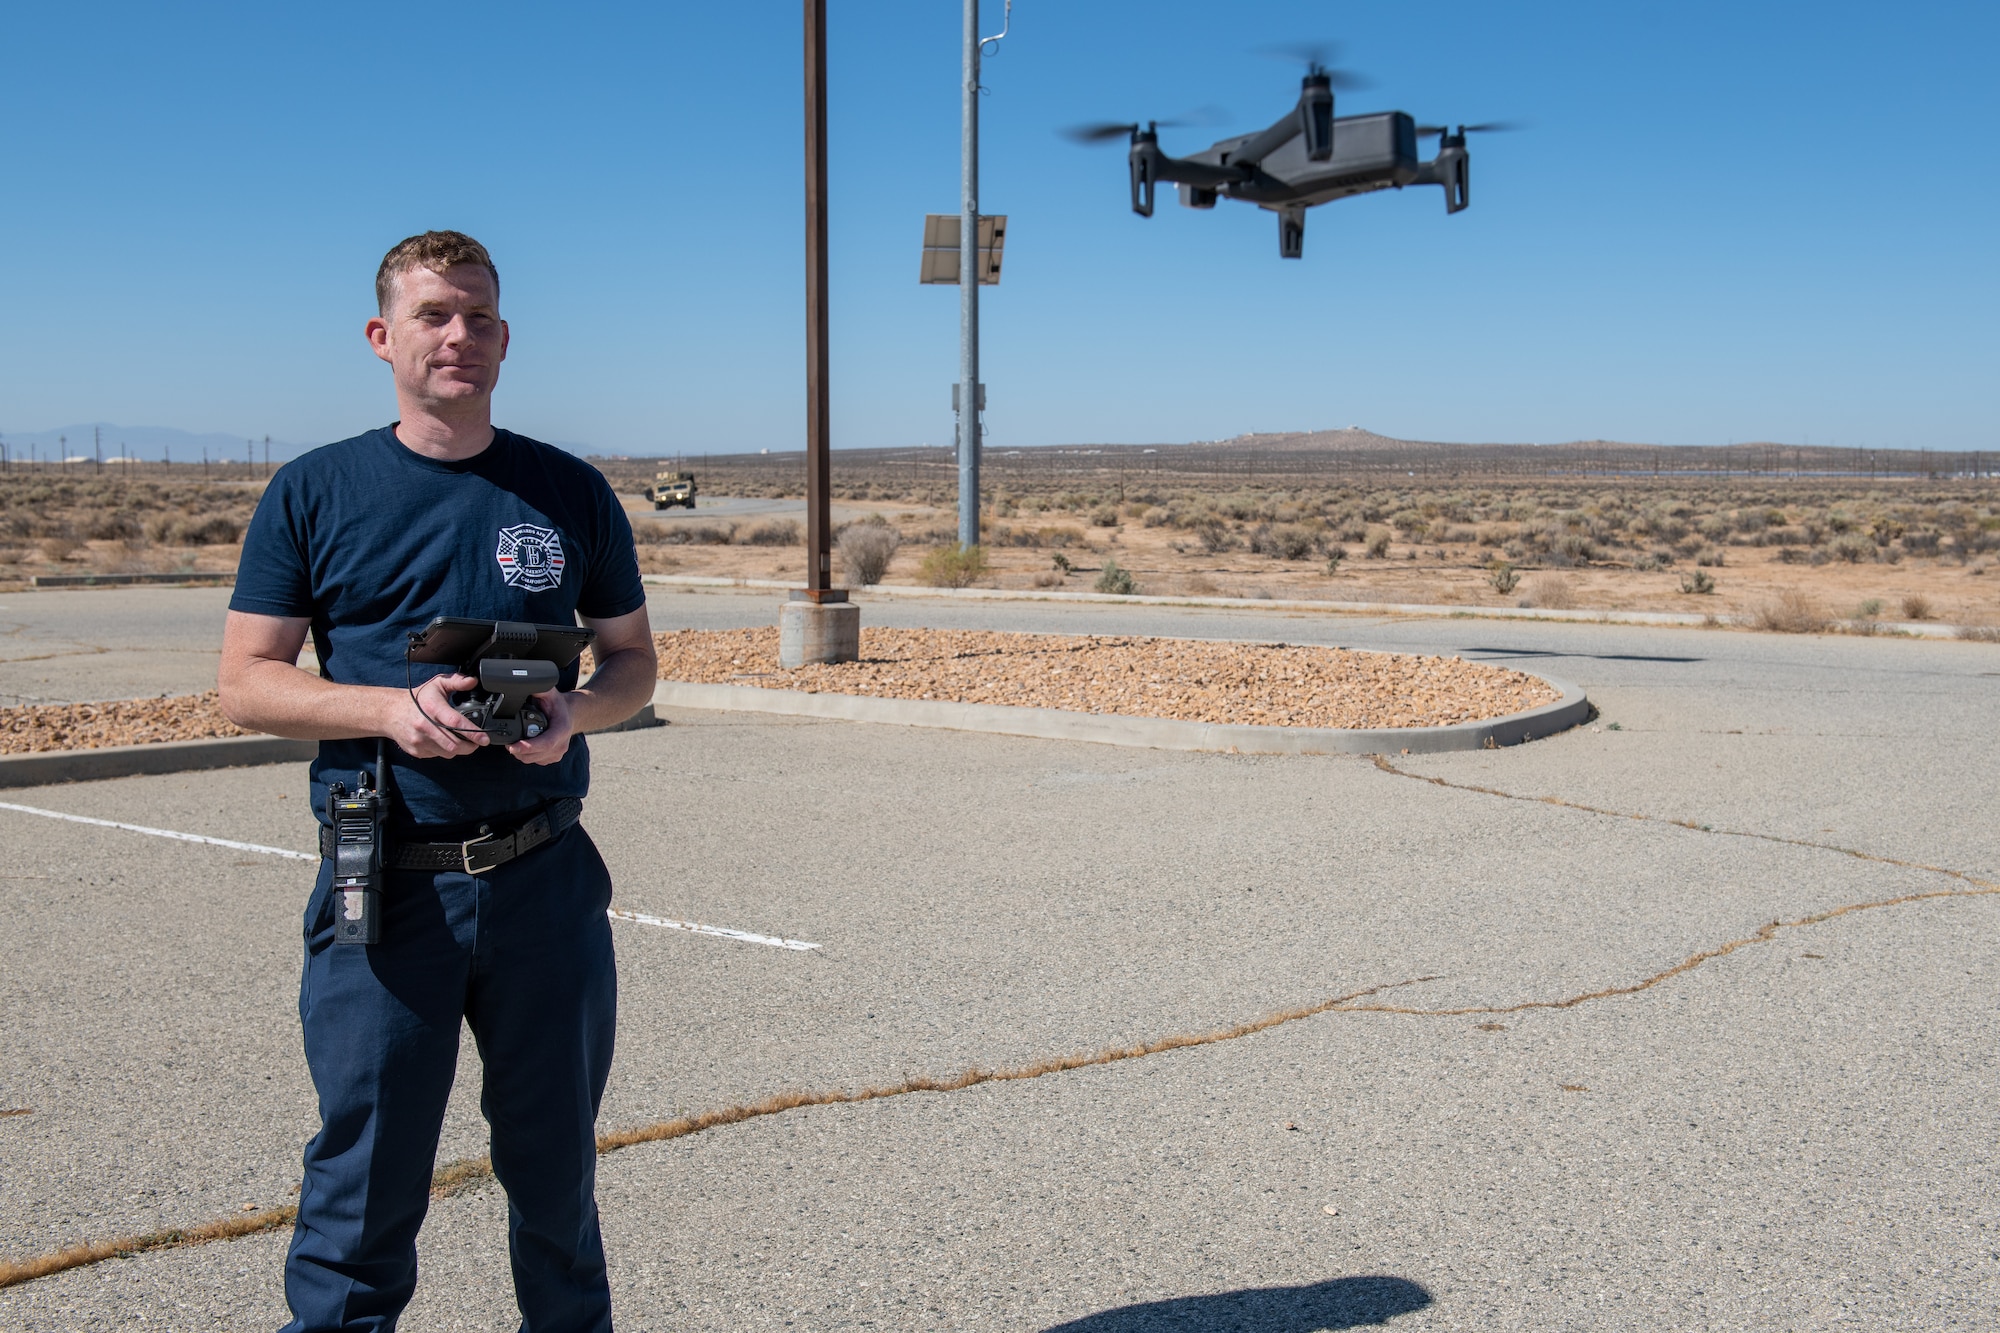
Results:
x,y
443,335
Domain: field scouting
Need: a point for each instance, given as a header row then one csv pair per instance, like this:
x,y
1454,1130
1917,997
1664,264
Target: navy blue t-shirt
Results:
x,y
371,540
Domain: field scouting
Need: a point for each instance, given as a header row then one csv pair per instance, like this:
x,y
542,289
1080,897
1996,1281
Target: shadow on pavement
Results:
x,y
1343,1302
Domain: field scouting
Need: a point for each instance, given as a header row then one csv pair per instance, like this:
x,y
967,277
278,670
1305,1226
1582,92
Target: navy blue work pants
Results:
x,y
522,954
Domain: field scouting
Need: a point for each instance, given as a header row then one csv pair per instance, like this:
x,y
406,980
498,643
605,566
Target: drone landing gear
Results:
x,y
1292,233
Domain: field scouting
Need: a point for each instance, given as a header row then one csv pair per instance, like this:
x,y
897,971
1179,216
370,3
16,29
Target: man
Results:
x,y
360,543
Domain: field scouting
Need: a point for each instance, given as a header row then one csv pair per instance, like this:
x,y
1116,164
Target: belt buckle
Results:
x,y
488,843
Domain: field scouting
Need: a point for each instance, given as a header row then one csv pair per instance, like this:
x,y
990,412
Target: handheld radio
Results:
x,y
357,818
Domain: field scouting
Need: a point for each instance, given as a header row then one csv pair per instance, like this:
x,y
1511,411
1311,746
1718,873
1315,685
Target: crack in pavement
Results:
x,y
1382,763
469,1173
88,650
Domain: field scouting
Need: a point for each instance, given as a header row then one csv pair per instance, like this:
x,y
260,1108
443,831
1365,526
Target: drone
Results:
x,y
1309,156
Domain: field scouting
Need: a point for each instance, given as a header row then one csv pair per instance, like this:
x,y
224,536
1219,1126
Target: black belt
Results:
x,y
483,851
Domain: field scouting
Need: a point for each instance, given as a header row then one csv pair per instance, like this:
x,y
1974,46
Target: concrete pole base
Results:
x,y
810,632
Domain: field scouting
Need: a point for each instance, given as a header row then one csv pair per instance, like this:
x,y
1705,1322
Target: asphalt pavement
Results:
x,y
1593,1087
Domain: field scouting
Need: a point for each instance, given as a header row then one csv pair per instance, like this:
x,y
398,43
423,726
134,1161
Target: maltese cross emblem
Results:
x,y
530,557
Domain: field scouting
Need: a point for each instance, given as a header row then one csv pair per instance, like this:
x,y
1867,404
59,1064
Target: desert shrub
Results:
x,y
1710,558
1790,612
58,549
1923,542
1215,537
1104,516
1557,592
953,566
1112,579
1410,523
773,532
1283,541
113,525
185,530
1048,578
1377,545
1918,607
1157,516
1869,609
1570,548
1334,555
1503,578
706,534
1697,581
865,551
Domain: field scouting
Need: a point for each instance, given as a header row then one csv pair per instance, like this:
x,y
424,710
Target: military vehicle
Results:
x,y
672,488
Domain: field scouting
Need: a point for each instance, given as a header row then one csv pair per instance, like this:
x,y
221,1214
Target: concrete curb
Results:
x,y
126,761
1433,611
1143,732
124,580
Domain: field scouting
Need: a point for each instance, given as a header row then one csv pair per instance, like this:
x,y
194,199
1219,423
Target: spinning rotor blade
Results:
x,y
1315,57
1488,127
1105,131
1101,132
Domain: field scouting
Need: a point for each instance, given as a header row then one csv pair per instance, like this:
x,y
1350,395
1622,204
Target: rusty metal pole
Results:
x,y
819,488
817,623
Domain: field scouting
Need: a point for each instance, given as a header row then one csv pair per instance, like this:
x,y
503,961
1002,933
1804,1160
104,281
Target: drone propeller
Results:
x,y
1105,131
1100,132
1488,127
1315,57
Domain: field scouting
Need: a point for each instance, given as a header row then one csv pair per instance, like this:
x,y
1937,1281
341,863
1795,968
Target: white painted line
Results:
x,y
695,927
163,833
723,932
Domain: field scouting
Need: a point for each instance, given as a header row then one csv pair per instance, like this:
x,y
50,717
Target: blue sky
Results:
x,y
1728,221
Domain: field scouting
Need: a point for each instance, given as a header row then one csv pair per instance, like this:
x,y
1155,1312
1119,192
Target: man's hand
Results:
x,y
553,743
264,690
422,728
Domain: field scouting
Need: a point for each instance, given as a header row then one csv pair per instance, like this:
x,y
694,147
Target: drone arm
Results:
x,y
1451,168
1150,166
1267,143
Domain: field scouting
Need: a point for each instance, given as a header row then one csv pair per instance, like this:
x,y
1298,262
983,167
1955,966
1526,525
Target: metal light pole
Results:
x,y
968,287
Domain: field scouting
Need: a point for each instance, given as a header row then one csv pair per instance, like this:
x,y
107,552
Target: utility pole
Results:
x,y
968,286
971,438
818,623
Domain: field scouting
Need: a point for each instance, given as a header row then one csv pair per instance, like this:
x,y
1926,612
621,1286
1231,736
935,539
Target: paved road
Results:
x,y
1797,1133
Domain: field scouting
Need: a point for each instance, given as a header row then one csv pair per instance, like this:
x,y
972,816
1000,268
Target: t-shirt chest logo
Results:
x,y
530,557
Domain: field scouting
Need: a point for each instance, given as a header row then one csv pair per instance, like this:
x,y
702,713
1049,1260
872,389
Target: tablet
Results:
x,y
462,641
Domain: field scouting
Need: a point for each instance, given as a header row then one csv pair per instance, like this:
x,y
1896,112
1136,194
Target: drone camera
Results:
x,y
1194,196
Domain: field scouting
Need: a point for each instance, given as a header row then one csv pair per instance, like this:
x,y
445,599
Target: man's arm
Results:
x,y
627,673
263,689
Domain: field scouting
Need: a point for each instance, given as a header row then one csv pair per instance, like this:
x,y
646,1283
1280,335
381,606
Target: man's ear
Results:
x,y
377,333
